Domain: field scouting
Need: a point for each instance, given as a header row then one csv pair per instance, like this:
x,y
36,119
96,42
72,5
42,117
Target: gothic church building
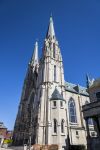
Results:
x,y
50,109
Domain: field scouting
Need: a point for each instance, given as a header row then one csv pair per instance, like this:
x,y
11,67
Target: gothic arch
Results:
x,y
55,125
72,110
62,125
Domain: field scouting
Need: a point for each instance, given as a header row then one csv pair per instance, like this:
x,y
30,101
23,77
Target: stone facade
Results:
x,y
50,110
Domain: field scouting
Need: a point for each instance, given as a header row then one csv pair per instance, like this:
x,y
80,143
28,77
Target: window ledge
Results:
x,y
61,107
55,81
54,107
77,136
62,134
72,123
54,134
90,125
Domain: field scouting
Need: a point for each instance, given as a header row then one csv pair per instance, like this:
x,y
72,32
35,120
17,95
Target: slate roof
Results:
x,y
76,89
56,95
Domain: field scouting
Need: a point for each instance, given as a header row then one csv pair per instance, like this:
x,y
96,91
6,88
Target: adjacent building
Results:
x,y
92,111
4,133
50,109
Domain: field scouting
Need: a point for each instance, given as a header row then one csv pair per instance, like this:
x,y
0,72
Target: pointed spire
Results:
x,y
34,59
87,81
50,32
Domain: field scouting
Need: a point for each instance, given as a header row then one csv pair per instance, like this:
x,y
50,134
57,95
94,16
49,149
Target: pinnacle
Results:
x,y
35,54
50,32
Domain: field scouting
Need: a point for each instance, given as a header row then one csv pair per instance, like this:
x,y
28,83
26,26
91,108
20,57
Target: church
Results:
x,y
50,109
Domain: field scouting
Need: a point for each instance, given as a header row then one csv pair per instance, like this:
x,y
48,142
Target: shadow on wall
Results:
x,y
77,147
73,147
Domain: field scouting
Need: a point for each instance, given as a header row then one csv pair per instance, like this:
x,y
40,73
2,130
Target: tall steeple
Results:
x,y
87,81
50,32
34,59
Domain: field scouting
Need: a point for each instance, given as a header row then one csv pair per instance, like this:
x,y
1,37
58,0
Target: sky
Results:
x,y
22,22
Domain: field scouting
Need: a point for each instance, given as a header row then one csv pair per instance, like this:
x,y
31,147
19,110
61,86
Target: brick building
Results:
x,y
4,133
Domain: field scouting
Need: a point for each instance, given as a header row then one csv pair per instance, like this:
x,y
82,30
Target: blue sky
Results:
x,y
77,27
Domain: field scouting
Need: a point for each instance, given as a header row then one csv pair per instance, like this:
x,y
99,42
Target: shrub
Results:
x,y
7,141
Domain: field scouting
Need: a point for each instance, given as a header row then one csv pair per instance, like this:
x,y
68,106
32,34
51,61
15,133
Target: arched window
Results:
x,y
54,73
72,111
54,103
53,50
62,126
55,126
90,121
61,104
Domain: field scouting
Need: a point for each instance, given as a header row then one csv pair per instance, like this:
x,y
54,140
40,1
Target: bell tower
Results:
x,y
53,57
50,76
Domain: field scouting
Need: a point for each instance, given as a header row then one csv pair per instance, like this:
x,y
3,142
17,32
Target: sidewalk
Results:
x,y
5,149
12,148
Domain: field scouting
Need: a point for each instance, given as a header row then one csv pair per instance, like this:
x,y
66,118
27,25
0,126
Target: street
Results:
x,y
5,149
12,148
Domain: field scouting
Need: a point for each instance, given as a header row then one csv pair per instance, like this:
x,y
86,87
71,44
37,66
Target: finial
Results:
x,y
51,17
37,40
51,14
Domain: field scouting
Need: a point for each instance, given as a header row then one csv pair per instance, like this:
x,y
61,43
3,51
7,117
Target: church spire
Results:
x,y
34,59
50,32
87,81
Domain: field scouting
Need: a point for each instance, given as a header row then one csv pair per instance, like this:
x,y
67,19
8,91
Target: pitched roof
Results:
x,y
56,95
76,89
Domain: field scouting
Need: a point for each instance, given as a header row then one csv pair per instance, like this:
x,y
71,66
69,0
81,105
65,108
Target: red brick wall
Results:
x,y
9,134
3,131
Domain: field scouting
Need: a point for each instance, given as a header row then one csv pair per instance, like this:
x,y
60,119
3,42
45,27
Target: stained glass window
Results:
x,y
72,111
54,73
53,50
